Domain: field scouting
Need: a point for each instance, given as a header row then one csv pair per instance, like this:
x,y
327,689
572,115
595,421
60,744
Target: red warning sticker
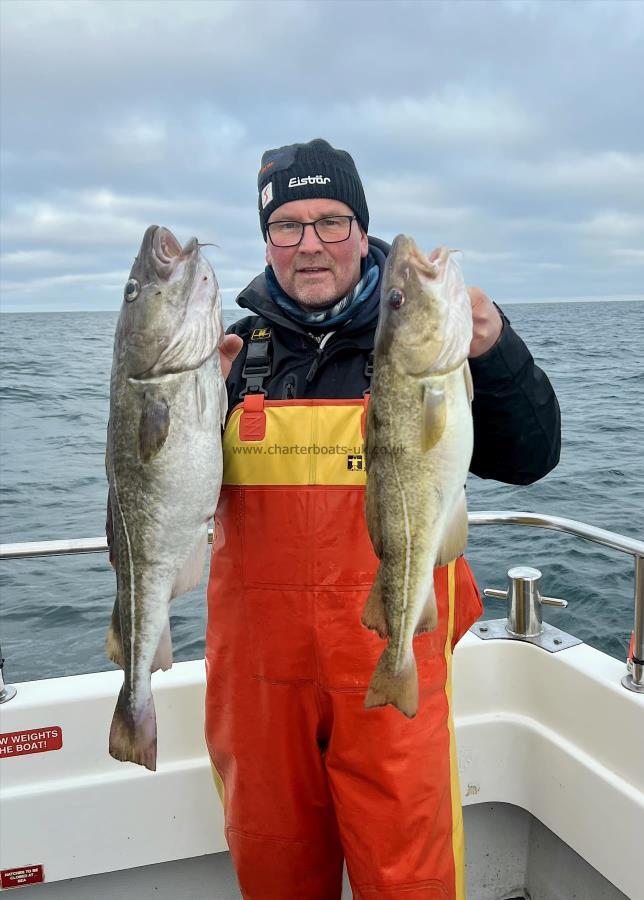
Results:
x,y
10,878
36,740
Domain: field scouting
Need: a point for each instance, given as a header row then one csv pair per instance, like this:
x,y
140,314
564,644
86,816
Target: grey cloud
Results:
x,y
509,130
440,119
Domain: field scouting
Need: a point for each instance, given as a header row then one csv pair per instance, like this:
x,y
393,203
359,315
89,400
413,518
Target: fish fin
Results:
x,y
200,396
109,531
399,690
469,384
114,642
153,427
163,656
373,615
455,537
372,516
191,572
223,400
134,738
429,616
218,535
434,416
369,430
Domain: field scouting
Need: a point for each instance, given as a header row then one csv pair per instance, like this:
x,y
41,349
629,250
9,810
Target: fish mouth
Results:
x,y
164,251
405,254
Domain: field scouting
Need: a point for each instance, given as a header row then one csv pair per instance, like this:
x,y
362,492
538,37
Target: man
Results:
x,y
308,776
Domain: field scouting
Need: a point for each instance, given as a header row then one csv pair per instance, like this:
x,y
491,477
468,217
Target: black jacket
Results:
x,y
517,427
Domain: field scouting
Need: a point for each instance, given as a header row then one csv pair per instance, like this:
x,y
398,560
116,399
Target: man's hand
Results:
x,y
228,350
486,320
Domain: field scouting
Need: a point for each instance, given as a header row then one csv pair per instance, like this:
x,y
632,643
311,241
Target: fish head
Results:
x,y
425,323
171,317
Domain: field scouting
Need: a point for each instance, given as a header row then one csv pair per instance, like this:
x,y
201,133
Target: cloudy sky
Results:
x,y
511,130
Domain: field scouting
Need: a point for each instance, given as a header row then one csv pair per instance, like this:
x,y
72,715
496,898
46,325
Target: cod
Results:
x,y
418,447
164,465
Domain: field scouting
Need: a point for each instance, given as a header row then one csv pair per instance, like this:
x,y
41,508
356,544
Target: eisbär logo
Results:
x,y
308,179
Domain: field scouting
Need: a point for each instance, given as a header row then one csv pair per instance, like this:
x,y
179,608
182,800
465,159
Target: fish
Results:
x,y
164,465
418,448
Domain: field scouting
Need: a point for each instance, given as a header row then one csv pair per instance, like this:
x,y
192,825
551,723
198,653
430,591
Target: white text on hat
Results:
x,y
308,179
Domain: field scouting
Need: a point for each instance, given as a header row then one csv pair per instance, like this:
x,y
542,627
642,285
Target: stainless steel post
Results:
x,y
524,604
7,691
638,644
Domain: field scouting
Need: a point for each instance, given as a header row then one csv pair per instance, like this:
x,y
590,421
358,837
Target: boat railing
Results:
x,y
633,680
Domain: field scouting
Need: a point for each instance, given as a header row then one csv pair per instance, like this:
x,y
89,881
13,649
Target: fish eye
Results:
x,y
132,289
395,298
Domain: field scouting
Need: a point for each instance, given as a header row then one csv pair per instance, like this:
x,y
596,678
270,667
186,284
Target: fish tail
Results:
x,y
399,689
133,735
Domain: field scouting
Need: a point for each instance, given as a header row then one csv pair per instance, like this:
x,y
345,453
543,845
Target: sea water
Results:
x,y
54,401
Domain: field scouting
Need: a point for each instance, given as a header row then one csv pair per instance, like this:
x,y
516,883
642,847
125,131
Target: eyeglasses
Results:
x,y
330,230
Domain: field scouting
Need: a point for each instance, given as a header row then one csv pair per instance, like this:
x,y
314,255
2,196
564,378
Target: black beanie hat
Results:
x,y
308,171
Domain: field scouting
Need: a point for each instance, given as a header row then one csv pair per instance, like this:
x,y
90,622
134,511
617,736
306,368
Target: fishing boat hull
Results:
x,y
552,783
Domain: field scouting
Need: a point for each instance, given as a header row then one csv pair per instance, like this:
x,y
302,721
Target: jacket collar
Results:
x,y
257,298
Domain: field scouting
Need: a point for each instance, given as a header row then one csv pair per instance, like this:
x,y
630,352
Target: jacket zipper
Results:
x,y
310,375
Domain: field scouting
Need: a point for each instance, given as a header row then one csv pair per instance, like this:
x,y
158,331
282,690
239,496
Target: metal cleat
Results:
x,y
524,621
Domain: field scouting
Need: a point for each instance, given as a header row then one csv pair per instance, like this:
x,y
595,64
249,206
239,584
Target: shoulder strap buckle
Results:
x,y
258,363
368,373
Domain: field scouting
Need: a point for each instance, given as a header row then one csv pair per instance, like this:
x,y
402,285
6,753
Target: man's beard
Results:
x,y
311,299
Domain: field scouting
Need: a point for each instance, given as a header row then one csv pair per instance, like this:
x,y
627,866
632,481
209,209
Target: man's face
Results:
x,y
314,273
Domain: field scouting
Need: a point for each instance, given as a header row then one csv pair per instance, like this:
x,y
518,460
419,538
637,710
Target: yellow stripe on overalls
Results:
x,y
303,444
219,784
458,837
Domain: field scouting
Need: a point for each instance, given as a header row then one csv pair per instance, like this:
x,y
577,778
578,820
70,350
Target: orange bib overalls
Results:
x,y
308,776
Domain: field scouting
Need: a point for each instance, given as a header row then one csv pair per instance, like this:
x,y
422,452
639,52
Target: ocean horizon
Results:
x,y
227,307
